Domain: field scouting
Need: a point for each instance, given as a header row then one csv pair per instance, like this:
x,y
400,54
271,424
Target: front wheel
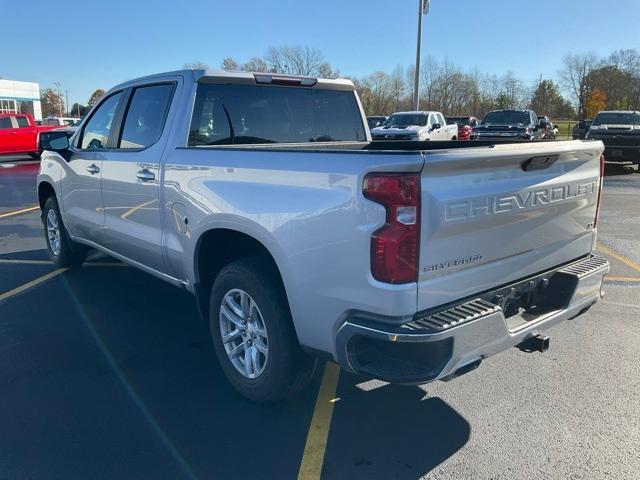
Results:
x,y
253,333
63,251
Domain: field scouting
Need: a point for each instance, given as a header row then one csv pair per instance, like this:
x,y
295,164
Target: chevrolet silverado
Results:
x,y
300,238
620,133
416,126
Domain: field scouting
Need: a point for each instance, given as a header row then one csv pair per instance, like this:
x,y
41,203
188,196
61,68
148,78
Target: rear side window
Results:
x,y
23,122
96,132
146,116
5,122
249,114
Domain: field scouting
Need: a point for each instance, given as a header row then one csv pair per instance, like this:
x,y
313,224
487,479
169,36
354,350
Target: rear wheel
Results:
x,y
63,251
253,333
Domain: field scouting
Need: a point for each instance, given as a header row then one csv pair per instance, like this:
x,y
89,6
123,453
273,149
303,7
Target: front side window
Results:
x,y
250,114
22,122
96,132
5,122
146,115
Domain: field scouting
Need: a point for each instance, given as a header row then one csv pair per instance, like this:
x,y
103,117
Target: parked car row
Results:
x,y
498,124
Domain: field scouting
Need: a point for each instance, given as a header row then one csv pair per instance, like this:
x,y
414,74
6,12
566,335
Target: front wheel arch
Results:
x,y
45,190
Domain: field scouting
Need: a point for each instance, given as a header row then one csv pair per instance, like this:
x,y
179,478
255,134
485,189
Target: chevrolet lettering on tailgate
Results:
x,y
486,206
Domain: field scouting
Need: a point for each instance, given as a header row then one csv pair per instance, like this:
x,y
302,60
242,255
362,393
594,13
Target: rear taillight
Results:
x,y
595,223
395,247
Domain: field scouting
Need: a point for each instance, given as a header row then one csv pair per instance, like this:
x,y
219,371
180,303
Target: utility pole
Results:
x,y
423,9
66,104
58,85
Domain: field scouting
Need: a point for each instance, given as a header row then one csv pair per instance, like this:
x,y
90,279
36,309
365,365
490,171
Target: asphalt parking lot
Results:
x,y
106,372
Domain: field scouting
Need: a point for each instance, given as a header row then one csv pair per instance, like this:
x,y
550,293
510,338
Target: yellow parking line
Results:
x,y
18,212
12,261
313,456
609,278
31,284
104,264
89,263
627,261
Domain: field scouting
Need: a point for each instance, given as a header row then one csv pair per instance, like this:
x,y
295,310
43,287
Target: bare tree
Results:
x,y
230,65
195,66
574,75
255,64
295,60
628,61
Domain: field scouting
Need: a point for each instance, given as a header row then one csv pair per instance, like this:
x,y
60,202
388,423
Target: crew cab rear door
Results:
x,y
130,180
493,215
26,134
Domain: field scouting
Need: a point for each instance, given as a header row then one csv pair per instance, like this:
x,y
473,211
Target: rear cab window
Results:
x,y
23,122
145,116
228,114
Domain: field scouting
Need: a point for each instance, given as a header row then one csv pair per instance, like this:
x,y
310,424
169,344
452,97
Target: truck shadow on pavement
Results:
x,y
390,431
113,375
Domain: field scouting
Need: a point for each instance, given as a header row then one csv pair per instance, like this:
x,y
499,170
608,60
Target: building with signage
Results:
x,y
20,97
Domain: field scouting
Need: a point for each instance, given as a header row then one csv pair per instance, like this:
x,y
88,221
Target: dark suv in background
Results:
x,y
509,124
619,130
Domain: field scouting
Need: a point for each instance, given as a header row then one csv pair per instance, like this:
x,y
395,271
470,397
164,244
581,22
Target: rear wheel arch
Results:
x,y
217,248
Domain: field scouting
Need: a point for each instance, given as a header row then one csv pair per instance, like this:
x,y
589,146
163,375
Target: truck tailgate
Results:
x,y
487,219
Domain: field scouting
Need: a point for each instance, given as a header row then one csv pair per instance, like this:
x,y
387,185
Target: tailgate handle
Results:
x,y
539,163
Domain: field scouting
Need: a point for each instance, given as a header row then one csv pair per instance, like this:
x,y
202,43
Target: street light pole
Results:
x,y
423,9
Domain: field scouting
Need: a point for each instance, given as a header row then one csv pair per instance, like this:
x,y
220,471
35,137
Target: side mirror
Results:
x,y
435,126
54,140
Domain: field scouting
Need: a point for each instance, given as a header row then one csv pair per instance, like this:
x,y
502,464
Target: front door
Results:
x,y
7,135
82,207
131,178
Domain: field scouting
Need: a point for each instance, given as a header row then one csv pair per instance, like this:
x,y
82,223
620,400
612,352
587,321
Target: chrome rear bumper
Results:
x,y
440,343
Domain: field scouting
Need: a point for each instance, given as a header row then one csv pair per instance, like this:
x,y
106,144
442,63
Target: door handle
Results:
x,y
13,133
93,169
145,175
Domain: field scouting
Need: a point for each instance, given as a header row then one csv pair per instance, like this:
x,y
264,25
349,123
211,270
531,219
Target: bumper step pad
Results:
x,y
452,317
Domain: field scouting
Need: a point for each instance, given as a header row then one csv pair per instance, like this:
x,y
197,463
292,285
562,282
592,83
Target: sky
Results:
x,y
92,44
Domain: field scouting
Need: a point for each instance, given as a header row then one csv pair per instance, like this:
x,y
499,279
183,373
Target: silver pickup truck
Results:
x,y
300,238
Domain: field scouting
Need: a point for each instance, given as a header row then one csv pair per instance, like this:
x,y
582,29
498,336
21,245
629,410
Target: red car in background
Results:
x,y
19,134
465,126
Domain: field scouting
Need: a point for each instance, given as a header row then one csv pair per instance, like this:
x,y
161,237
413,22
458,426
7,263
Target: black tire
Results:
x,y
35,156
287,369
68,254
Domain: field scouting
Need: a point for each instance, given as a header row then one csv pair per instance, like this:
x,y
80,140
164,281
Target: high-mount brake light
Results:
x,y
395,246
269,79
